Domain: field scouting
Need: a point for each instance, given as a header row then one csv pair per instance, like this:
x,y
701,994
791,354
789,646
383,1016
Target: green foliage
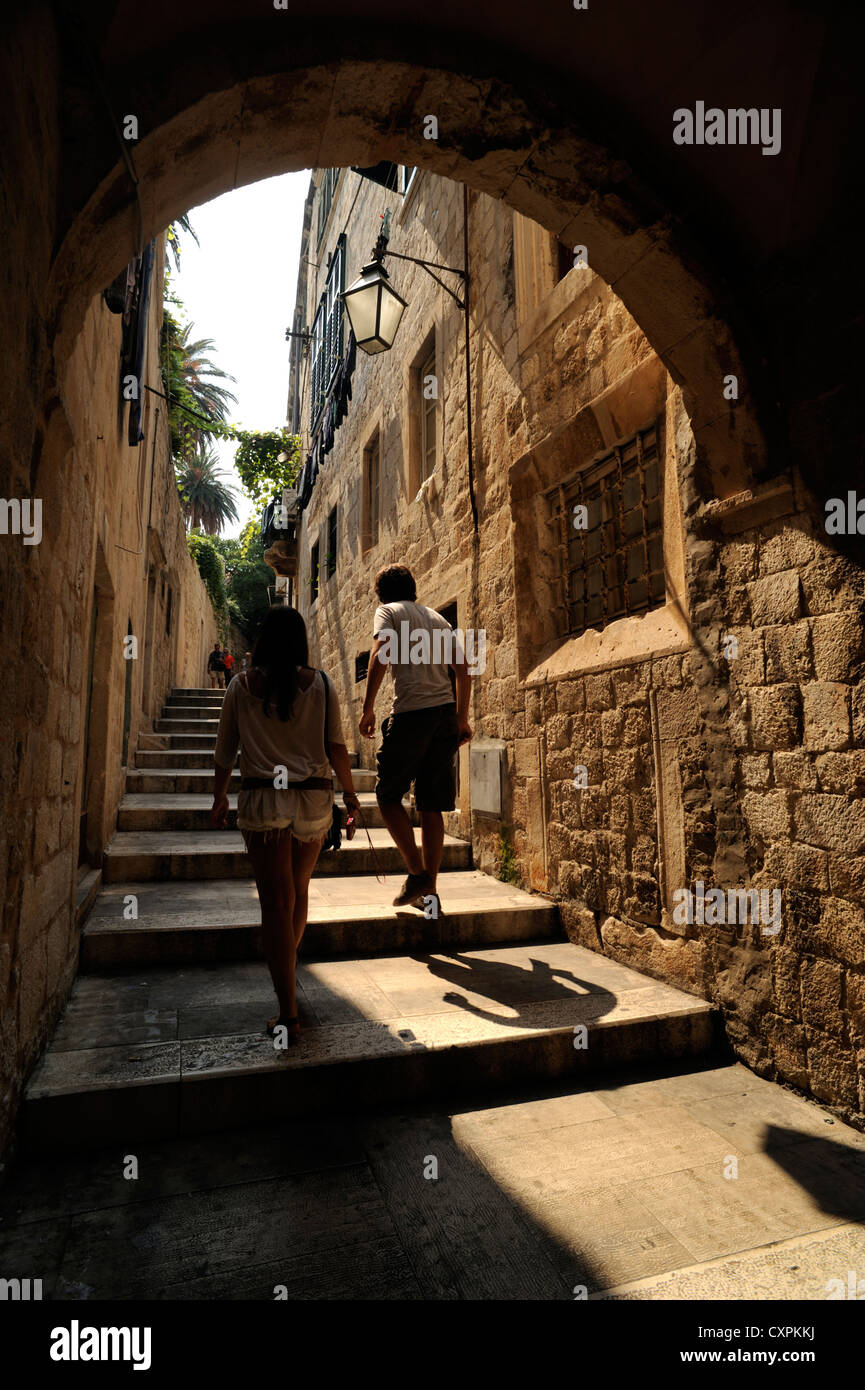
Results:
x,y
248,577
257,462
198,403
212,571
509,869
172,236
206,499
198,406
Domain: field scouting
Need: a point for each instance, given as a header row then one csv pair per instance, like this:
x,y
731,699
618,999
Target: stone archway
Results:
x,y
491,137
513,145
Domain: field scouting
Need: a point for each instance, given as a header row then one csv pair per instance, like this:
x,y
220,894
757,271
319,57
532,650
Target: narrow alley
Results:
x,y
432,606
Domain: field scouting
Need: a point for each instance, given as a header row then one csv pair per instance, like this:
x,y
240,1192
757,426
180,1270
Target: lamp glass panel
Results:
x,y
362,306
391,313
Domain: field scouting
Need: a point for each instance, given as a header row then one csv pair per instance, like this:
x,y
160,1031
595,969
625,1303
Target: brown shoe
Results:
x,y
415,886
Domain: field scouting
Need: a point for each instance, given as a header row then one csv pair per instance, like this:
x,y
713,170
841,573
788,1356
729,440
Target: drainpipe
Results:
x,y
473,591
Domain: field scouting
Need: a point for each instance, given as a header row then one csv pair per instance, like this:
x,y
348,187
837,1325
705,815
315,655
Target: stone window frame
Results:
x,y
374,436
332,528
430,343
408,199
640,398
541,292
326,195
314,571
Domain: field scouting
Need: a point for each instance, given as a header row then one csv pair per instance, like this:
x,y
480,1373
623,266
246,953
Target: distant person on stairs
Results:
x,y
428,722
275,714
216,667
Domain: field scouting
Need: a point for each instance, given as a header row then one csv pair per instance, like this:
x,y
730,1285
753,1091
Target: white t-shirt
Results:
x,y
418,646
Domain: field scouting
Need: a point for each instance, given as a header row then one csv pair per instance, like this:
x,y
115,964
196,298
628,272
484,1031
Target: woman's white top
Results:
x,y
267,743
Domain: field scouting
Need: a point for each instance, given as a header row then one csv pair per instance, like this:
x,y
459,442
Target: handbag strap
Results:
x,y
326,709
379,872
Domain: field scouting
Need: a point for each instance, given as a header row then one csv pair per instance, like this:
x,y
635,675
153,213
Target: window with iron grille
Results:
x,y
361,666
326,190
327,333
608,521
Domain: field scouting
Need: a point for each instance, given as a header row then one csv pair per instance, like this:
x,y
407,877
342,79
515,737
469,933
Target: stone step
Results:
x,y
187,742
159,781
148,855
175,811
220,920
152,1053
188,726
179,761
191,711
193,694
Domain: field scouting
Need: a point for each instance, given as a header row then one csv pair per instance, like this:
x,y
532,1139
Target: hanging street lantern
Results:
x,y
374,307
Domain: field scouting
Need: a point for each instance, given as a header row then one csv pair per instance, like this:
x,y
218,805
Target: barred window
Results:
x,y
608,520
327,333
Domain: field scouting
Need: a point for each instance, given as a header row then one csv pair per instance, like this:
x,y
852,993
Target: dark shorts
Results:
x,y
419,746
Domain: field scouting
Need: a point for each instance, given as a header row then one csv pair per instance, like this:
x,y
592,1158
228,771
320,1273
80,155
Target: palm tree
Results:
x,y
207,501
172,234
200,376
191,383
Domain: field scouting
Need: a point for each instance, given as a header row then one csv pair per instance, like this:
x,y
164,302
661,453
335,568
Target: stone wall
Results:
x,y
112,561
723,733
429,534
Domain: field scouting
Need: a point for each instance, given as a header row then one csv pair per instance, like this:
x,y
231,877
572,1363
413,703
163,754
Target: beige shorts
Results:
x,y
307,814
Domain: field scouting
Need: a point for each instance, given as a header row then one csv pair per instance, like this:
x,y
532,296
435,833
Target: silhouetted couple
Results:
x,y
284,717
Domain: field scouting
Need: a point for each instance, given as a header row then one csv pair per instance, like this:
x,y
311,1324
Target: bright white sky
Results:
x,y
238,288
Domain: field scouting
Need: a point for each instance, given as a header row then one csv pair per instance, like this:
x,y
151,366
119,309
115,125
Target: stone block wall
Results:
x,y
723,734
111,524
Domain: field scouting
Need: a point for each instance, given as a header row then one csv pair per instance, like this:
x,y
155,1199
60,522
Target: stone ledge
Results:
x,y
751,507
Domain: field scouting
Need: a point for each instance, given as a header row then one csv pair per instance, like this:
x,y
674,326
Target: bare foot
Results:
x,y
291,1026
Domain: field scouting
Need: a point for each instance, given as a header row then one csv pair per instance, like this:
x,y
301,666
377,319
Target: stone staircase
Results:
x,y
163,1033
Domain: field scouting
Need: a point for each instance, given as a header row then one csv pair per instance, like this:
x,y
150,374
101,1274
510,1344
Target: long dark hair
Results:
x,y
281,646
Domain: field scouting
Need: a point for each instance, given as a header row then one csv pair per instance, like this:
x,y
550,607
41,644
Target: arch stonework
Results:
x,y
490,138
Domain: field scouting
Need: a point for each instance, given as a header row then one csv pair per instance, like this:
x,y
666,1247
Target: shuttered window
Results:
x,y
328,334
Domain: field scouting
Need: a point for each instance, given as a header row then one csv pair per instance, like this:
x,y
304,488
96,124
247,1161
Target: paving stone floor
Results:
x,y
699,1182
